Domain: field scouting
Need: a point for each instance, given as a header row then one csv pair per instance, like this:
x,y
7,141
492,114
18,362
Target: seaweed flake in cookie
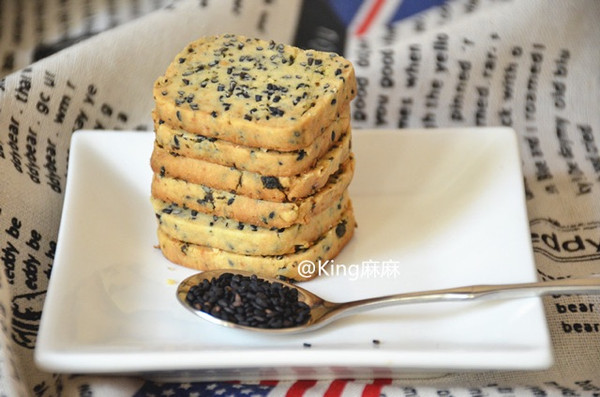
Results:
x,y
254,92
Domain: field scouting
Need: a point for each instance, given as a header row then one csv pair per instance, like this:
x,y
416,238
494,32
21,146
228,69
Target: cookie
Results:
x,y
253,92
289,266
233,236
251,184
261,161
248,210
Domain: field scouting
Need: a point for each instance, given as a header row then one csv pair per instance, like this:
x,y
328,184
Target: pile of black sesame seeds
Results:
x,y
249,301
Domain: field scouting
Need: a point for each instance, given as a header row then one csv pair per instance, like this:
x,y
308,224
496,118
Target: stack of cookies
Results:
x,y
252,157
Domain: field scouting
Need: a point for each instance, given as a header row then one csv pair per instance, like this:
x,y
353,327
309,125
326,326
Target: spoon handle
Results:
x,y
475,292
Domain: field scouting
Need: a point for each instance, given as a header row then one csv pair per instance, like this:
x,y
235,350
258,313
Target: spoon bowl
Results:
x,y
320,309
323,312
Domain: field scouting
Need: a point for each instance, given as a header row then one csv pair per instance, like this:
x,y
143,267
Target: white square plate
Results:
x,y
435,209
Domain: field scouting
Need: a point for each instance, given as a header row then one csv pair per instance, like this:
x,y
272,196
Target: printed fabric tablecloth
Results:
x,y
531,65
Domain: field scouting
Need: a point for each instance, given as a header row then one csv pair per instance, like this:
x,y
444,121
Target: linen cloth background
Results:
x,y
532,65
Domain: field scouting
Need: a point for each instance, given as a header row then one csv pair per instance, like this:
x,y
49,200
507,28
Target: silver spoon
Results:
x,y
323,312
